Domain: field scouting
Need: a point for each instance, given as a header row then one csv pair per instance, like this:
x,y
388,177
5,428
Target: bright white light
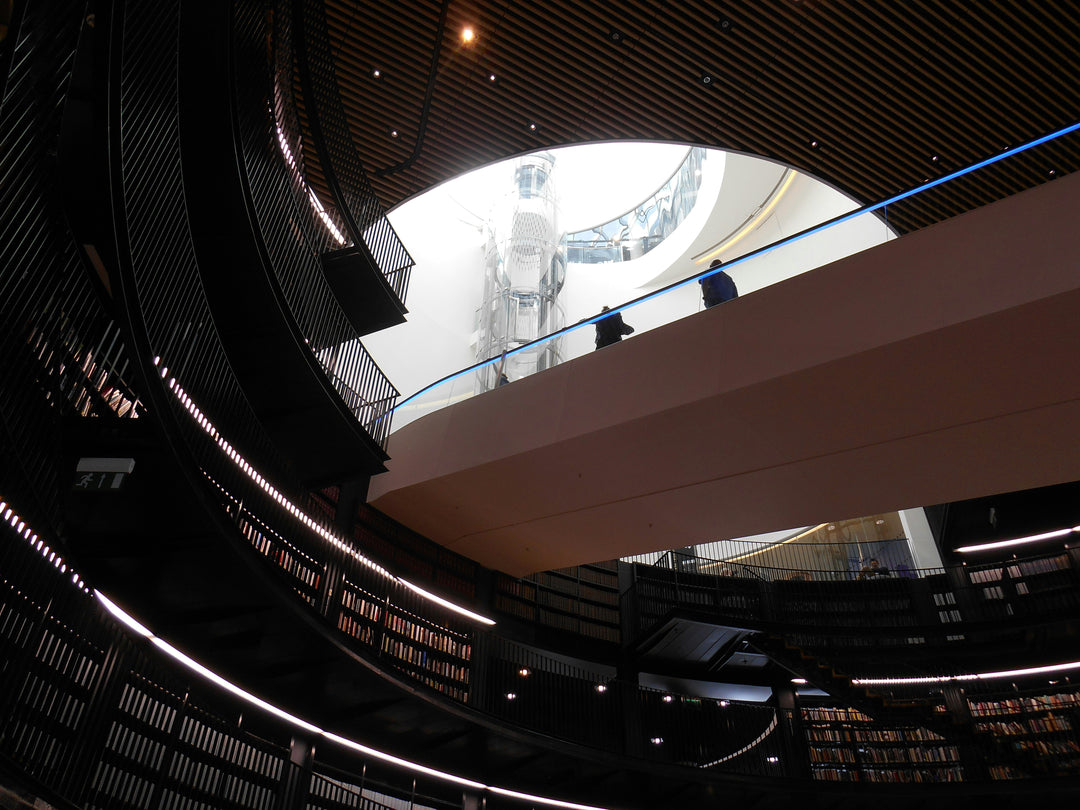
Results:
x,y
541,800
1033,538
476,617
978,676
303,518
122,617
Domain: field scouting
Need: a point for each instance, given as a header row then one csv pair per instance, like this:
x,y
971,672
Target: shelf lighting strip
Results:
x,y
1019,541
189,663
979,676
12,517
297,513
9,515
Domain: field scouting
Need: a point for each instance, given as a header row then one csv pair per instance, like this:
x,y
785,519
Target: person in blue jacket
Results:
x,y
717,288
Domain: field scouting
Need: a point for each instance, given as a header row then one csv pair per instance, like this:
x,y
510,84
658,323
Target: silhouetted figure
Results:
x,y
873,569
611,329
717,288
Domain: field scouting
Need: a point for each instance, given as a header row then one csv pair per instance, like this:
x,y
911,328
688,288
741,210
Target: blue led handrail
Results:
x,y
814,229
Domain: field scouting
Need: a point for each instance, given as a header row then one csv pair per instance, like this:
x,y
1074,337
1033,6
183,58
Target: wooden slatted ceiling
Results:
x,y
881,86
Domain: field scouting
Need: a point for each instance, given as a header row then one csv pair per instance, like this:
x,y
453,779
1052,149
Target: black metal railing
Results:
x,y
354,197
294,234
60,348
841,608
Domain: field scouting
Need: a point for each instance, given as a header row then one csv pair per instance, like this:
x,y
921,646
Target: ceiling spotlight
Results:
x,y
656,740
615,35
772,759
524,672
467,35
601,688
532,126
724,704
393,133
707,79
667,698
511,696
725,24
376,73
491,77
934,159
1052,172
879,521
814,144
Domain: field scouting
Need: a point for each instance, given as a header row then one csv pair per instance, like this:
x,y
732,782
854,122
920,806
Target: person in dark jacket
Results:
x,y
611,329
717,288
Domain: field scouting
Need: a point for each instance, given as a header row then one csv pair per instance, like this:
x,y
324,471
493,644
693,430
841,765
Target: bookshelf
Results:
x,y
583,600
845,745
420,648
1036,734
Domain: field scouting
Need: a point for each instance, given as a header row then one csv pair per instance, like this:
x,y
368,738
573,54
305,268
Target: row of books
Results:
x,y
988,708
362,603
421,659
1033,725
835,714
436,639
291,561
832,755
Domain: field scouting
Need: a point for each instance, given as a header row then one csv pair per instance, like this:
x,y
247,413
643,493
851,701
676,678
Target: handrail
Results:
x,y
362,213
411,401
292,233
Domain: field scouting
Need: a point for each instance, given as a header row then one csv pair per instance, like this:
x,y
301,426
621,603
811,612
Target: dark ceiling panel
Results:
x,y
882,87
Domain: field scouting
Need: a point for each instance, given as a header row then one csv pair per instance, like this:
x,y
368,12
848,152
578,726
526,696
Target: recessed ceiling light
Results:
x,y
667,698
656,740
532,126
524,672
725,24
707,79
376,73
467,35
491,77
393,133
814,144
511,696
601,688
615,35
1052,172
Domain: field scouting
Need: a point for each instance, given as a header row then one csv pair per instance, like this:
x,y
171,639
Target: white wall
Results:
x,y
443,230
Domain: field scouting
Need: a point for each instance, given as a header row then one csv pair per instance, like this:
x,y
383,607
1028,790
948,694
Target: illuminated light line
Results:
x,y
752,744
978,676
768,547
316,204
439,600
202,671
1018,541
842,218
10,516
754,221
297,513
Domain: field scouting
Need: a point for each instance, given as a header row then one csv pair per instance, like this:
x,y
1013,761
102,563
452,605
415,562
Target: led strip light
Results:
x,y
9,515
1019,541
194,666
298,514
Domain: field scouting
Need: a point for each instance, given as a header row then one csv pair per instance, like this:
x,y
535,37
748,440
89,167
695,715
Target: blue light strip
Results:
x,y
867,209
